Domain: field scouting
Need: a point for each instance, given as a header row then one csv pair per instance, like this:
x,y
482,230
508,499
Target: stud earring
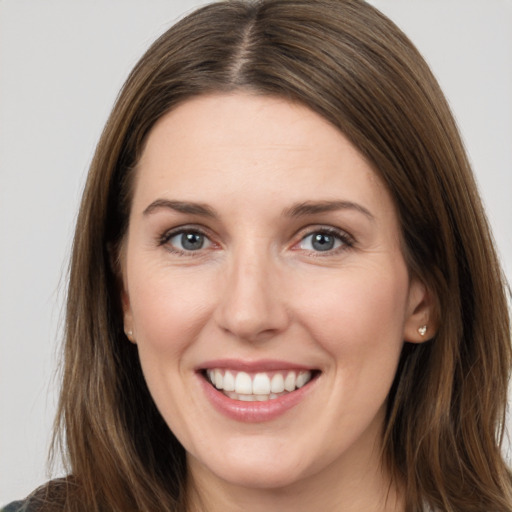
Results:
x,y
422,330
129,334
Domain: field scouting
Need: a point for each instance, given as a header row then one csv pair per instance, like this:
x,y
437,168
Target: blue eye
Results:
x,y
188,241
322,241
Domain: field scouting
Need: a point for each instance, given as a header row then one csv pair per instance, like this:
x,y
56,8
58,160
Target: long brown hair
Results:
x,y
347,62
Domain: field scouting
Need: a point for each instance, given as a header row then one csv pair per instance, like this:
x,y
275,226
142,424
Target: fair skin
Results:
x,y
261,242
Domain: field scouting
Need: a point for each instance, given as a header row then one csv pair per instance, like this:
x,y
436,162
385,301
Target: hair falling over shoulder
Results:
x,y
347,62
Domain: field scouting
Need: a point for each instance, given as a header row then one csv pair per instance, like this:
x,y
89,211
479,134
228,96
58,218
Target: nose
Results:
x,y
251,305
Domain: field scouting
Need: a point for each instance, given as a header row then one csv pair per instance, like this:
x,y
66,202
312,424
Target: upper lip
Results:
x,y
260,365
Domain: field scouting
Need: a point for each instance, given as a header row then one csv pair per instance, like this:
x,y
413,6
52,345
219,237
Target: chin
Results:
x,y
253,472
263,477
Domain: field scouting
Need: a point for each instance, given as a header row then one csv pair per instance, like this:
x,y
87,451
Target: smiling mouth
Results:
x,y
260,386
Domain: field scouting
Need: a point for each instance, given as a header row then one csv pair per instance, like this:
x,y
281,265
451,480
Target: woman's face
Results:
x,y
263,258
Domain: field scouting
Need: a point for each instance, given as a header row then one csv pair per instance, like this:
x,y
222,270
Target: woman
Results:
x,y
283,290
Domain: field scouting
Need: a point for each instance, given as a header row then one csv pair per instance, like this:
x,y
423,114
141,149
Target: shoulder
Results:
x,y
27,505
19,506
50,497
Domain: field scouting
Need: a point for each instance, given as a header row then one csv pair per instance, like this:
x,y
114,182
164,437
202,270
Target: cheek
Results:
x,y
169,309
360,311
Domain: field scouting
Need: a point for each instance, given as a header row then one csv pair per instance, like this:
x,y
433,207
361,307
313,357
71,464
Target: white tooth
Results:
x,y
303,378
247,398
277,384
219,380
273,396
289,382
211,375
261,384
229,382
261,398
243,383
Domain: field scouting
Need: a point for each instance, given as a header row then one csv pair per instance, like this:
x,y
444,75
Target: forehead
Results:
x,y
224,145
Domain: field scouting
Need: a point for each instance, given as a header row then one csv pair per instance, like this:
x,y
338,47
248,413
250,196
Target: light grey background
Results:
x,y
62,63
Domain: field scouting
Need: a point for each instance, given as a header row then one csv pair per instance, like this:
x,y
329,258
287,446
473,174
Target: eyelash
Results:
x,y
168,235
347,241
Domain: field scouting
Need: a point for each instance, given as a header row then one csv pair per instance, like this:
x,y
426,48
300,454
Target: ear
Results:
x,y
125,297
127,315
421,319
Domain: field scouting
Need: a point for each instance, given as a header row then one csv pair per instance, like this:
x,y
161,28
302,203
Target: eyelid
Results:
x,y
347,240
168,234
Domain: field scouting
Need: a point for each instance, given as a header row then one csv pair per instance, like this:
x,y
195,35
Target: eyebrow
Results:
x,y
315,208
298,210
181,207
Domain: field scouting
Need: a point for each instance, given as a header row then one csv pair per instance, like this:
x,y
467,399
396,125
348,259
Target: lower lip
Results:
x,y
254,412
